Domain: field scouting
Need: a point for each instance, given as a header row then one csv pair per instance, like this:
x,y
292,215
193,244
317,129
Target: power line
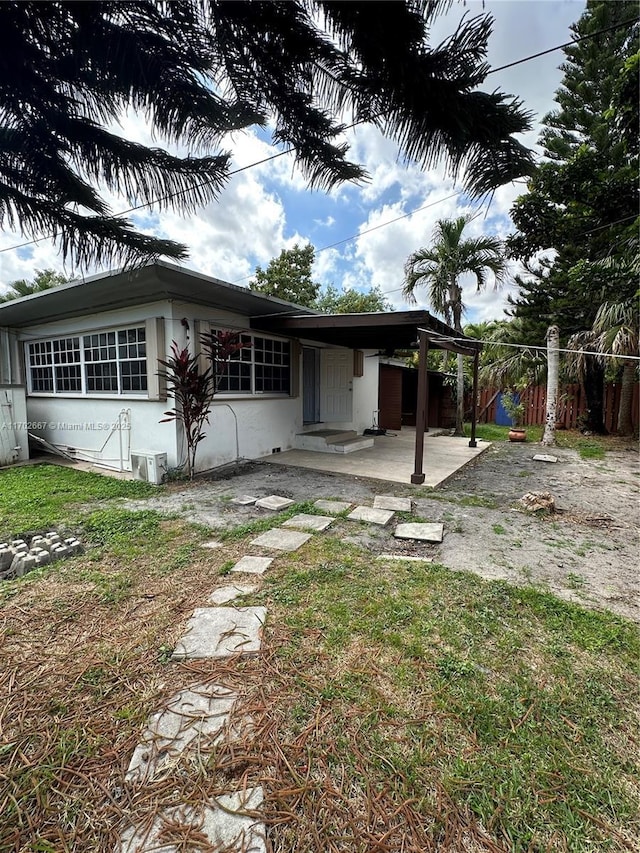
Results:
x,y
373,228
289,150
566,44
540,349
172,195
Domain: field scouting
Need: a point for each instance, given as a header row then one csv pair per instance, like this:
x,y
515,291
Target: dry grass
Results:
x,y
388,706
79,675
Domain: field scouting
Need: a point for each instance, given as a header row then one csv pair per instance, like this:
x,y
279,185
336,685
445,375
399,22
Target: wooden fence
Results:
x,y
571,404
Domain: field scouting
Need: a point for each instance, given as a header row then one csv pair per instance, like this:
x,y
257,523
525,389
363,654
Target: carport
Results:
x,y
387,333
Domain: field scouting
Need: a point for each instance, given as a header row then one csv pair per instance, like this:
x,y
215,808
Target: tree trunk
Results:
x,y
460,398
625,424
594,392
553,363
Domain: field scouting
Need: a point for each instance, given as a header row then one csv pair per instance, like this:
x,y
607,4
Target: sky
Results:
x,y
267,208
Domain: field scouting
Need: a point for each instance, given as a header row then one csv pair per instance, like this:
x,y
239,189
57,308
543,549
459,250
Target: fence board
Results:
x,y
571,404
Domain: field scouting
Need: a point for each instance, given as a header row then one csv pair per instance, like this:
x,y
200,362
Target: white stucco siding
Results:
x,y
103,431
365,393
262,425
104,428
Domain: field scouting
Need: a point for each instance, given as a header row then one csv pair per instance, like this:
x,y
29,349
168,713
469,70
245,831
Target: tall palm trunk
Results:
x,y
553,364
625,424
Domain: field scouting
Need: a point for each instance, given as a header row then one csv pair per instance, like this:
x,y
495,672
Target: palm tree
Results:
x,y
617,329
200,70
43,280
440,267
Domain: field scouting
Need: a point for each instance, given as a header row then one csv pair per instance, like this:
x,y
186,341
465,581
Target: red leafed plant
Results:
x,y
193,388
219,347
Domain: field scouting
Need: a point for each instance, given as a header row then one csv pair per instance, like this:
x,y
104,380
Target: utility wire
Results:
x,y
369,230
566,44
349,127
538,348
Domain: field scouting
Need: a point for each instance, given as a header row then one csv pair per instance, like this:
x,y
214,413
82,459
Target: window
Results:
x,y
272,366
111,362
262,366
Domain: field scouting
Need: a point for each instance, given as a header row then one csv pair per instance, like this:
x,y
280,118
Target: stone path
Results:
x,y
197,718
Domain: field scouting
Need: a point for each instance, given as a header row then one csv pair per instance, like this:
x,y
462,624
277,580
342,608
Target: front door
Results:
x,y
336,385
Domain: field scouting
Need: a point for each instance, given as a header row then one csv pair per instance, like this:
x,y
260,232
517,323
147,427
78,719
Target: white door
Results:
x,y
336,385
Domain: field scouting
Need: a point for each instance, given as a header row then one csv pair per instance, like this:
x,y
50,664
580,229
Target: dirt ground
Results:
x,y
586,551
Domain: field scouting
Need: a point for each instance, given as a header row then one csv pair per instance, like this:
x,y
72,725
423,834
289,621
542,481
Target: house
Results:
x,y
86,354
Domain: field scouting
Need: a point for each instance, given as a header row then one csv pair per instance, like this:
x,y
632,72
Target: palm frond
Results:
x,y
202,68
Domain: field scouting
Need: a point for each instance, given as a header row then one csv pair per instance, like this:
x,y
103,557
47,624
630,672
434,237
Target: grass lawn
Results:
x,y
588,446
395,707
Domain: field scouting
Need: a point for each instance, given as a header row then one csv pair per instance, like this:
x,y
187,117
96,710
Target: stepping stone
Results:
x,y
303,521
244,500
211,544
194,717
334,507
420,531
544,457
274,502
229,593
224,822
390,502
374,516
252,565
281,540
405,557
220,632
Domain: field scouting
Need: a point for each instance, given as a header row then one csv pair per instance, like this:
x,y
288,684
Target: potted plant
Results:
x,y
515,410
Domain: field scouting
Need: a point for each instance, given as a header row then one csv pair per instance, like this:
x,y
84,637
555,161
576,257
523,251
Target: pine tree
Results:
x,y
583,200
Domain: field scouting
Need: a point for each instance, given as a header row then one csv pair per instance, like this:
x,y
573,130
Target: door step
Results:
x,y
332,441
349,445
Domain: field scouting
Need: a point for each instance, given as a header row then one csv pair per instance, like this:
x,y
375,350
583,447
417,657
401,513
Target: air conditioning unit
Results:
x,y
148,465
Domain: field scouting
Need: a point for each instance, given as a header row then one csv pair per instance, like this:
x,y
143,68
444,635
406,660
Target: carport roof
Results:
x,y
388,331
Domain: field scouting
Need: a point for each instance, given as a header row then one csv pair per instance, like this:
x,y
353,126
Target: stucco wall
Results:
x,y
107,428
103,431
241,426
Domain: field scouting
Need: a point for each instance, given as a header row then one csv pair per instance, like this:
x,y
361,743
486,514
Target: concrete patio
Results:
x,y
392,457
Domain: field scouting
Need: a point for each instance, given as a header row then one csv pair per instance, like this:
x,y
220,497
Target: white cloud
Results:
x,y
266,207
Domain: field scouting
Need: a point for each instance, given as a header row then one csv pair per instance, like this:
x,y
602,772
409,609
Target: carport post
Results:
x,y
421,415
474,407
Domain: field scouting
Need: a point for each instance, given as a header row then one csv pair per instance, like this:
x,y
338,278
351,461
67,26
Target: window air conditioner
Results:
x,y
148,465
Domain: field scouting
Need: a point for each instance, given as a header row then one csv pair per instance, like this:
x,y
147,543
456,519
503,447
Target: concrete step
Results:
x,y
319,439
349,445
